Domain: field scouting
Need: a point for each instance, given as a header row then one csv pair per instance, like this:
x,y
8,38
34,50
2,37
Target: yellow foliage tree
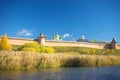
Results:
x,y
49,50
4,45
33,46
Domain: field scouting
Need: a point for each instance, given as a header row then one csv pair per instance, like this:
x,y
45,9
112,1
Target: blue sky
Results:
x,y
96,19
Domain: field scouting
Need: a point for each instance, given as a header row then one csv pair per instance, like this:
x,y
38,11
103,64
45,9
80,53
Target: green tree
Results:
x,y
4,44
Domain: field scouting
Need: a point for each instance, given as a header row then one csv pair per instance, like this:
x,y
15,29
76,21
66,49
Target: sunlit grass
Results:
x,y
11,60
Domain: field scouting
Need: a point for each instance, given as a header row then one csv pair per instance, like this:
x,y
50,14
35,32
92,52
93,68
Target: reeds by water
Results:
x,y
30,60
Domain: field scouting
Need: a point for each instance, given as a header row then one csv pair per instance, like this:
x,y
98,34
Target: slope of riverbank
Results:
x,y
30,60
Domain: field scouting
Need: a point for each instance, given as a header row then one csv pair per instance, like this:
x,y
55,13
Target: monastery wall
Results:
x,y
118,47
21,41
74,44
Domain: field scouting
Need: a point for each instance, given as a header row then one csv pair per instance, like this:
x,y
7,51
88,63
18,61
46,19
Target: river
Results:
x,y
82,73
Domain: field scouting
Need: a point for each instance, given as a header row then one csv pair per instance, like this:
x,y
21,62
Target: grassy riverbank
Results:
x,y
30,60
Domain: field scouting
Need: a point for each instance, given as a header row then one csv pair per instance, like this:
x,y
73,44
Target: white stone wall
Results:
x,y
20,41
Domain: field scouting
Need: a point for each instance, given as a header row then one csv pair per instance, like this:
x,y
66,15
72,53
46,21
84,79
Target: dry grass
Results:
x,y
29,60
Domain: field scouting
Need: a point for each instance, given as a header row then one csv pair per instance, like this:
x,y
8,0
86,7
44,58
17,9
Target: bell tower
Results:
x,y
83,37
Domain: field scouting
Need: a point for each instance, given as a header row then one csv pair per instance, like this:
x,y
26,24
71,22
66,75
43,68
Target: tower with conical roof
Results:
x,y
41,39
113,44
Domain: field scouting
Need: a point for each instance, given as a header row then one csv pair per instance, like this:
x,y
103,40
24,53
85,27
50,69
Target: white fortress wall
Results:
x,y
21,41
74,44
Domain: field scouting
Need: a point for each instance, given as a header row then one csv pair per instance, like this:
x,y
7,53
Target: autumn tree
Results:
x,y
35,47
4,44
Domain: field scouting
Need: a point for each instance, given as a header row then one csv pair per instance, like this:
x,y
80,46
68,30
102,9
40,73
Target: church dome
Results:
x,y
57,38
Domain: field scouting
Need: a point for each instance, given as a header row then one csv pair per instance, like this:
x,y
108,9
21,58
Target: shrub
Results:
x,y
49,50
108,51
16,47
33,46
4,45
92,51
29,49
45,49
80,50
112,51
85,50
42,48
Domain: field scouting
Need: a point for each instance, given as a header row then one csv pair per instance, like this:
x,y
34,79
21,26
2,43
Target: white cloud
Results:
x,y
66,35
24,32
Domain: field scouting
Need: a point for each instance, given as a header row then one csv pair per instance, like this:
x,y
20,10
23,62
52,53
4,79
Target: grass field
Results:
x,y
11,60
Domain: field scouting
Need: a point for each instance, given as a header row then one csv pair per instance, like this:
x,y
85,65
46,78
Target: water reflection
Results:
x,y
85,73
